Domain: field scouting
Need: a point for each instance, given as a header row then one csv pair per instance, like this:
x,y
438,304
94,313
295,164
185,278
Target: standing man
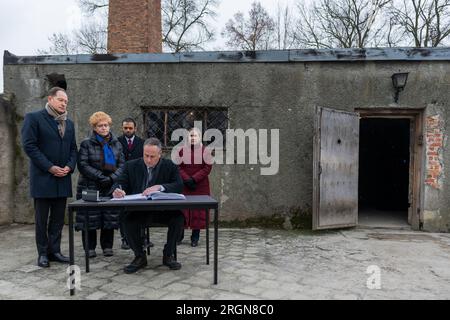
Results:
x,y
48,138
146,175
132,147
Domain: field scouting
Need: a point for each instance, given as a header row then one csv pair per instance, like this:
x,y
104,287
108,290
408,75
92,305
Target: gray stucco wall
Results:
x,y
258,95
7,150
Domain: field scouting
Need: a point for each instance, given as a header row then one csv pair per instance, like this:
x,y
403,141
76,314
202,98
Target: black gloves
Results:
x,y
105,182
190,184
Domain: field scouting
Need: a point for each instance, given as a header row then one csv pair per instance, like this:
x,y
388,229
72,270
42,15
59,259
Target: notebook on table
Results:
x,y
153,196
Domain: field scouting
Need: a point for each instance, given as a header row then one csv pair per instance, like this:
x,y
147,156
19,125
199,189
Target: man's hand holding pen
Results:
x,y
119,193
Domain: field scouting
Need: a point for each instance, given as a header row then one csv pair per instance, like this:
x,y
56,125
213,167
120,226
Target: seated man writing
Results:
x,y
146,175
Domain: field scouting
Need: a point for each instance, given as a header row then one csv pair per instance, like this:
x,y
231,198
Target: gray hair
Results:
x,y
153,142
199,132
54,91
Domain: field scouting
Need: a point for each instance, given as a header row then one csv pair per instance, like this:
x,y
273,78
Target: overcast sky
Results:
x,y
25,25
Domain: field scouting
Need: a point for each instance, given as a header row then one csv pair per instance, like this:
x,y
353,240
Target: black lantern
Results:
x,y
399,83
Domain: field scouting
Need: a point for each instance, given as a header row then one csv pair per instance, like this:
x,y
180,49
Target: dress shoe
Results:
x,y
58,257
92,254
138,263
170,262
43,262
125,245
108,252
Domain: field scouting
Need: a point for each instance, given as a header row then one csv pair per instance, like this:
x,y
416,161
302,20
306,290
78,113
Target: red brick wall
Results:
x,y
435,142
134,26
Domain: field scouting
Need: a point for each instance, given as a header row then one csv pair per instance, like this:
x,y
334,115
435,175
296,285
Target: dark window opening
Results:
x,y
161,123
56,80
384,158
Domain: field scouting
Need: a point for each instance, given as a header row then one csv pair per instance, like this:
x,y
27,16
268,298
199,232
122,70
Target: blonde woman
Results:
x,y
100,162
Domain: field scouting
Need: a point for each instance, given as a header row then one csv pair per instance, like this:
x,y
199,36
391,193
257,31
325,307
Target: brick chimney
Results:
x,y
134,26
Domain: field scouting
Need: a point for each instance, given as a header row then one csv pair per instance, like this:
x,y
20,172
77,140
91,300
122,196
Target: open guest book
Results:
x,y
153,196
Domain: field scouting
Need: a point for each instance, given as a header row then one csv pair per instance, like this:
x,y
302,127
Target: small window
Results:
x,y
56,80
161,123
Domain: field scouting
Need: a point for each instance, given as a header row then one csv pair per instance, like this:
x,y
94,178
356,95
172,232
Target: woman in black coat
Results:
x,y
100,162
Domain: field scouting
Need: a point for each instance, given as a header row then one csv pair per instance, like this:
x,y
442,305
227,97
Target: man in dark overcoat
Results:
x,y
48,138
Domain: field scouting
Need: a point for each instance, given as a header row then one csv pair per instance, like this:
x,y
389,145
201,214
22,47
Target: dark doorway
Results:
x,y
384,169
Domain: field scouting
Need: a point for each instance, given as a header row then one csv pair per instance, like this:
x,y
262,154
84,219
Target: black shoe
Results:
x,y
194,243
136,264
125,245
108,252
43,262
92,253
58,257
170,262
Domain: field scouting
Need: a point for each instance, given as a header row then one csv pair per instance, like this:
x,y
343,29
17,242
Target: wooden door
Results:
x,y
336,158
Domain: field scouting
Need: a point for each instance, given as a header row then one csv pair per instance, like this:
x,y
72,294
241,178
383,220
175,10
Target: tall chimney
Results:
x,y
134,26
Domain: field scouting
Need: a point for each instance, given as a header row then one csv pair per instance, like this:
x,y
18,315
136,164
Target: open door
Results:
x,y
336,157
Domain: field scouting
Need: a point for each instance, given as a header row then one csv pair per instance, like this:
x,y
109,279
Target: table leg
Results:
x,y
71,248
216,241
207,236
147,234
86,239
175,252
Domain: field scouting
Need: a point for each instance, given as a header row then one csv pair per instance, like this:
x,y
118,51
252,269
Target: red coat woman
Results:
x,y
195,177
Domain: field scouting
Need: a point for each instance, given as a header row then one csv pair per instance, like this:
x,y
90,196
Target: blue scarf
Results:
x,y
109,160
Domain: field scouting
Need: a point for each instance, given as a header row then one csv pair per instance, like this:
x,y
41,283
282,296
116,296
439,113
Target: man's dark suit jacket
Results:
x,y
136,151
45,147
134,176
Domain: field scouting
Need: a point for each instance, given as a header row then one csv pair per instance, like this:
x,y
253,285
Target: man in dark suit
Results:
x,y
132,145
48,138
132,148
146,175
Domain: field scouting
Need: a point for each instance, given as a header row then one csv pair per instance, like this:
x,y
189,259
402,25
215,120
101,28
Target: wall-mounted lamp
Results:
x,y
399,83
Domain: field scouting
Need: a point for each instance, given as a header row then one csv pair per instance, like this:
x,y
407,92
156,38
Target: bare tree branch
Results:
x,y
340,23
91,6
90,39
255,33
61,44
284,36
425,23
185,23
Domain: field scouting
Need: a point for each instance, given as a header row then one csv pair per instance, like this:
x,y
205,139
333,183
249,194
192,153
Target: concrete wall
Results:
x,y
7,151
258,95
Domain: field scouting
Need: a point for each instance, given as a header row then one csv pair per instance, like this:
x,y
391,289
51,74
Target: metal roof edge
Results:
x,y
261,56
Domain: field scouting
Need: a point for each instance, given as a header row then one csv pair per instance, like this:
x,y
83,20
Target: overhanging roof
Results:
x,y
303,55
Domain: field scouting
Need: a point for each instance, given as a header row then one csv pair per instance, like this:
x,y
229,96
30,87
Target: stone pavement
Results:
x,y
253,264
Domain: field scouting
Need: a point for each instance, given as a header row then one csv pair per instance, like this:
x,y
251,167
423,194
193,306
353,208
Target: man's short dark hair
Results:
x,y
153,142
54,91
129,120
